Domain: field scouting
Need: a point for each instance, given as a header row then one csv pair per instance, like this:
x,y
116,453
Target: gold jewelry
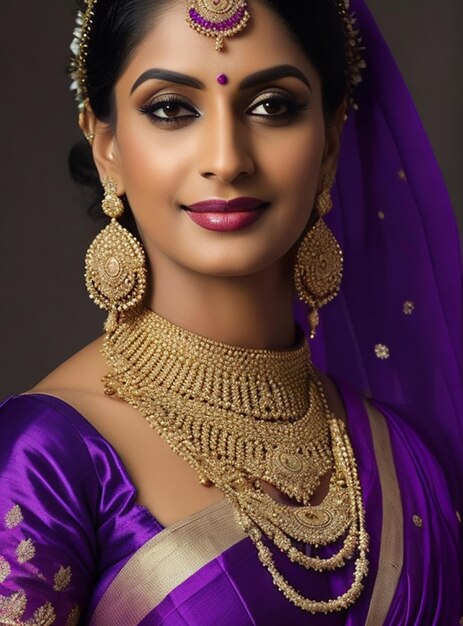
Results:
x,y
218,19
324,201
115,271
319,261
79,49
242,417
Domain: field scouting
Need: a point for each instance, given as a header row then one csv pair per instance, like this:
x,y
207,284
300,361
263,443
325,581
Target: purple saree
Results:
x,y
76,548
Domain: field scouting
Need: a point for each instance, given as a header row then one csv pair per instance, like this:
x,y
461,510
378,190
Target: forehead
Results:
x,y
172,44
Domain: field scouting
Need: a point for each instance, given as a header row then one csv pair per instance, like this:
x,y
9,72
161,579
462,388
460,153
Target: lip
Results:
x,y
226,221
226,215
226,206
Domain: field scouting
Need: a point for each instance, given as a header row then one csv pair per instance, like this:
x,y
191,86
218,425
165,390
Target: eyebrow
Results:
x,y
253,80
168,76
274,73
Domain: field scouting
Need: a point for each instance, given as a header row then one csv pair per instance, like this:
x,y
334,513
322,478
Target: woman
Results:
x,y
265,492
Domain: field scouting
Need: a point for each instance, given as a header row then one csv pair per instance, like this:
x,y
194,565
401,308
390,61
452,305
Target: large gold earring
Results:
x,y
115,269
319,261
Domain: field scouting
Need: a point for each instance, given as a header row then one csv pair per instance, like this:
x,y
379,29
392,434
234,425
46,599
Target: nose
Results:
x,y
225,153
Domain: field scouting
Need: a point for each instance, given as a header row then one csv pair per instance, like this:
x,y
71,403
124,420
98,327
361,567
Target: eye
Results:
x,y
169,110
275,105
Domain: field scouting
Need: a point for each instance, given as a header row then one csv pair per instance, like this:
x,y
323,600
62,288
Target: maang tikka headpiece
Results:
x,y
218,18
214,18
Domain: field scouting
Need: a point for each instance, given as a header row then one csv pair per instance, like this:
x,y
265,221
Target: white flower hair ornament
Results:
x,y
78,64
75,49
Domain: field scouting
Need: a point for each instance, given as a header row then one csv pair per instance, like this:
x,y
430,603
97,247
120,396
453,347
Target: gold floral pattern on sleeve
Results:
x,y
25,551
13,517
5,569
12,609
62,578
44,616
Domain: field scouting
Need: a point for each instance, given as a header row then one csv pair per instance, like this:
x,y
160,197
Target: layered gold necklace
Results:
x,y
242,418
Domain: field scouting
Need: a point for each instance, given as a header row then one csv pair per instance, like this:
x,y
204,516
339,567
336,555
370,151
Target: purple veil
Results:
x,y
395,330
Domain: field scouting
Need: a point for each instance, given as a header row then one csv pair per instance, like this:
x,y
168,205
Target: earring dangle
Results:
x,y
319,261
115,268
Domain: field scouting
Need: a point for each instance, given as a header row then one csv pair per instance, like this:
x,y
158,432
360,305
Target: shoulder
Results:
x,y
32,418
44,440
71,396
48,405
45,437
82,372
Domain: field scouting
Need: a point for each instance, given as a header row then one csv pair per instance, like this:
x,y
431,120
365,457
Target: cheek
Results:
x,y
148,168
296,169
302,160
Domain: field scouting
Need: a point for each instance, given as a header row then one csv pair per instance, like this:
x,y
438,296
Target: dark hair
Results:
x,y
317,26
119,26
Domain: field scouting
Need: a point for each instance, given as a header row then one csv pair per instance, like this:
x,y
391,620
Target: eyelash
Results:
x,y
293,108
150,108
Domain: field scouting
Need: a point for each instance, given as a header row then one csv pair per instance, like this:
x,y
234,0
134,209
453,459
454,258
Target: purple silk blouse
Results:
x,y
75,548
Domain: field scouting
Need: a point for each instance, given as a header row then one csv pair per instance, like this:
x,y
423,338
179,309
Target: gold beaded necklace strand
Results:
x,y
241,417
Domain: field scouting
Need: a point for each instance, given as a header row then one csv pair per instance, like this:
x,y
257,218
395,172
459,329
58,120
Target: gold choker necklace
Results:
x,y
241,418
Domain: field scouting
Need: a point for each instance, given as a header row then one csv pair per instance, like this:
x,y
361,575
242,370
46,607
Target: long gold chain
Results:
x,y
242,418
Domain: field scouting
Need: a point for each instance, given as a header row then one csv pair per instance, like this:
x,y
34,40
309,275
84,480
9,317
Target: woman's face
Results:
x,y
180,142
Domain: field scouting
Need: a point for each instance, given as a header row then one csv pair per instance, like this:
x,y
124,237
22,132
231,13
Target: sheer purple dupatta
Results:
x,y
395,330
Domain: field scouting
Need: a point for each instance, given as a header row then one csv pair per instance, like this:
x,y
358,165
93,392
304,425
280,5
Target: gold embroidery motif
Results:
x,y
62,578
12,609
25,551
13,517
43,616
402,176
381,215
382,351
74,616
418,521
458,516
5,569
409,307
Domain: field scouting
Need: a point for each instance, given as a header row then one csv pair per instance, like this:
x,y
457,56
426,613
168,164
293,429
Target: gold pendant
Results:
x,y
218,18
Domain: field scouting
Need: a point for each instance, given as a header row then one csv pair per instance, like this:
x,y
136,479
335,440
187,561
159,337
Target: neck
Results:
x,y
248,311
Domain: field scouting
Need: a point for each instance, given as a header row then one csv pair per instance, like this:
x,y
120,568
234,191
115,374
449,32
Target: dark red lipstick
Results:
x,y
226,215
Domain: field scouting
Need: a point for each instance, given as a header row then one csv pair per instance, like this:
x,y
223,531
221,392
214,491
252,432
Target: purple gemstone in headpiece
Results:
x,y
217,26
233,23
222,79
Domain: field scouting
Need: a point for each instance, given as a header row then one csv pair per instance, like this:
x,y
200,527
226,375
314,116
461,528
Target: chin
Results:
x,y
239,264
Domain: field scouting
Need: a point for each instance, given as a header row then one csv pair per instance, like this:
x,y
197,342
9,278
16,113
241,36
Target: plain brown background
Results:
x,y
45,314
